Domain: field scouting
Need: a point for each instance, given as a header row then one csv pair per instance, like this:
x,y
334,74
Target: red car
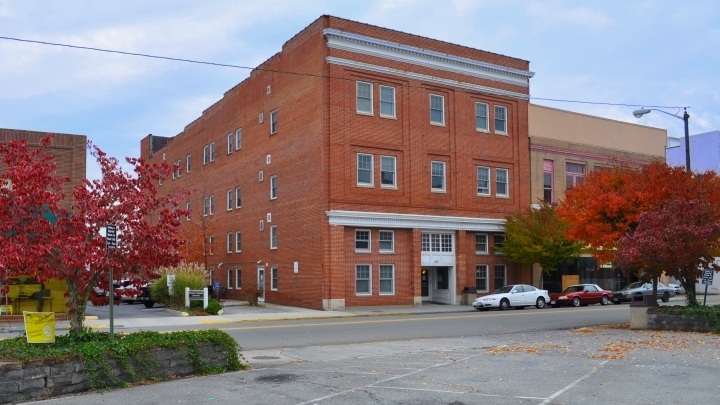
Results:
x,y
581,295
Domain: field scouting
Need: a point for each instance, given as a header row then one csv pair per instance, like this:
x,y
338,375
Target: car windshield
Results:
x,y
633,285
574,288
504,290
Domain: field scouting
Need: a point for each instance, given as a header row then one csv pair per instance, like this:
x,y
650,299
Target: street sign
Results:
x,y
707,276
110,236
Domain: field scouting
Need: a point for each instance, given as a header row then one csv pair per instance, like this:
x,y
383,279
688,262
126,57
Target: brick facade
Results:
x,y
314,150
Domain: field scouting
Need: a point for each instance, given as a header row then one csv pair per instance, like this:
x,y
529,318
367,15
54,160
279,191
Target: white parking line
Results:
x,y
558,393
459,392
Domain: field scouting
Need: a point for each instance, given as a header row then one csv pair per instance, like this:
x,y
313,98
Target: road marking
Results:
x,y
459,392
558,393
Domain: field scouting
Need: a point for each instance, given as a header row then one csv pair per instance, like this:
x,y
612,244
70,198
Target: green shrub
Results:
x,y
189,275
213,307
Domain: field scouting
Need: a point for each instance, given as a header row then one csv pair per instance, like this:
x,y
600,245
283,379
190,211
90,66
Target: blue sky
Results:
x,y
655,52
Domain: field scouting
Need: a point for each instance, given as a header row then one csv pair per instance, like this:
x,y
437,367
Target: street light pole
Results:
x,y
685,117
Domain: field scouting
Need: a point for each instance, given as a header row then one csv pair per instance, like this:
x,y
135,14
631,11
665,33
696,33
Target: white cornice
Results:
x,y
337,39
425,78
411,221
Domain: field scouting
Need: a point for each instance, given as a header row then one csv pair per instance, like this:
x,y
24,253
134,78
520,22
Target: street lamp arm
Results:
x,y
685,117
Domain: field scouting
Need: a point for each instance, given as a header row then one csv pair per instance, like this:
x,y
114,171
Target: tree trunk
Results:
x,y
76,306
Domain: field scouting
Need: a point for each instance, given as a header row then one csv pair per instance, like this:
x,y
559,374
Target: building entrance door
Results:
x,y
261,283
425,284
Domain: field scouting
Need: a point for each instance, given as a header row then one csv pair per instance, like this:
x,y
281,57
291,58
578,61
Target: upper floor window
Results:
x,y
362,240
387,171
483,180
481,117
481,243
206,154
436,242
229,200
230,242
500,119
498,242
501,183
364,98
273,122
187,208
230,143
208,205
387,101
548,181
273,187
437,109
273,237
437,174
364,169
574,174
238,197
387,241
187,164
238,139
238,242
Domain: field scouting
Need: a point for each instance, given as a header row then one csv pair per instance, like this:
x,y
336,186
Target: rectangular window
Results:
x,y
501,183
500,119
499,275
436,242
230,143
481,117
498,242
387,101
481,277
187,164
387,279
229,242
212,151
211,205
362,279
262,225
230,278
187,207
387,171
273,187
238,277
273,237
481,244
206,154
238,139
387,241
548,181
483,180
229,200
364,98
437,109
362,240
437,176
273,278
273,122
364,169
211,244
205,206
574,174
238,197
238,242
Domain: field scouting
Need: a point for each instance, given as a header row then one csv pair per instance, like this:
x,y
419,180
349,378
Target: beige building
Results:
x,y
564,147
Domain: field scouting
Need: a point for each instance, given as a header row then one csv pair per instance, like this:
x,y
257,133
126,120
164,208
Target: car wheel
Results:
x,y
504,304
666,297
149,304
604,300
540,303
576,302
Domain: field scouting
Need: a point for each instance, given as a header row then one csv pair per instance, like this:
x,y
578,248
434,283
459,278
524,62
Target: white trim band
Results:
x,y
411,221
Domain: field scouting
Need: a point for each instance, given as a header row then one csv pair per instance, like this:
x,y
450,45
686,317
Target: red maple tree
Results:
x,y
40,238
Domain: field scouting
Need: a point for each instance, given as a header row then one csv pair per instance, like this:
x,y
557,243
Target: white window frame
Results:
x,y
368,241
482,251
212,151
442,109
273,237
367,279
391,103
205,206
262,225
358,98
391,279
211,200
187,208
483,191
433,175
238,241
365,169
273,187
487,281
238,197
273,122
238,278
391,241
394,171
211,245
274,275
498,182
501,112
496,268
229,242
230,143
230,275
187,164
501,238
261,175
206,154
229,200
238,139
482,123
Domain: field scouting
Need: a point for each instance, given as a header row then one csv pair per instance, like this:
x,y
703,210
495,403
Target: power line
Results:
x,y
144,55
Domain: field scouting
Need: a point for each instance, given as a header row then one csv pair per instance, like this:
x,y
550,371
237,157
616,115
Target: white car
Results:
x,y
678,288
516,296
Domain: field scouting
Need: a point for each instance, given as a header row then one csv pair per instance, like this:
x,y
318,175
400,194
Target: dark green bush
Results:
x,y
213,307
159,290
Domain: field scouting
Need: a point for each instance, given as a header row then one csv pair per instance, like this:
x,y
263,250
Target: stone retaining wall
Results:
x,y
52,377
679,322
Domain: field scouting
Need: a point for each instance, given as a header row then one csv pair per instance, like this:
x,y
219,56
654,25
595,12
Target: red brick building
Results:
x,y
359,166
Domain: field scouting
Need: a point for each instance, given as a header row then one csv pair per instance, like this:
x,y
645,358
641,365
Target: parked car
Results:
x,y
581,294
677,288
130,294
633,290
516,296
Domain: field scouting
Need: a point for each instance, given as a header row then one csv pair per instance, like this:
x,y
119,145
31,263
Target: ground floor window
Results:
x,y
481,277
274,278
238,277
230,278
499,275
387,279
362,279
